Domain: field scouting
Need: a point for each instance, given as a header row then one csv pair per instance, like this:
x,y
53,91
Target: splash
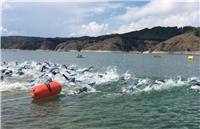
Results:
x,y
22,76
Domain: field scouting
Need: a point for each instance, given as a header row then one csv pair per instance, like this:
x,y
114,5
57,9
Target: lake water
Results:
x,y
174,104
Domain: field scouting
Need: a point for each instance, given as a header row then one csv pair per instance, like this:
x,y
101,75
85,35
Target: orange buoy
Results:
x,y
45,90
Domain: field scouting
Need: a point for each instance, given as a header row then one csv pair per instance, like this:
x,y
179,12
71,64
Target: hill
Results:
x,y
142,40
185,42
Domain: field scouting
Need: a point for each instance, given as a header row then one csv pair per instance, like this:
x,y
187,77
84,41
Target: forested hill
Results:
x,y
154,39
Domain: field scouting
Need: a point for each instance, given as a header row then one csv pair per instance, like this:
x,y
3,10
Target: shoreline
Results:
x,y
109,51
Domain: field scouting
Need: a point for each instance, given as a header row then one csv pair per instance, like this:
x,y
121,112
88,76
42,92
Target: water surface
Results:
x,y
175,105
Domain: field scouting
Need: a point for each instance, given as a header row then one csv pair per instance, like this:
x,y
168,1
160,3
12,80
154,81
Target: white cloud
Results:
x,y
90,29
159,13
93,26
2,29
5,5
5,32
62,1
79,12
90,0
92,8
149,22
94,18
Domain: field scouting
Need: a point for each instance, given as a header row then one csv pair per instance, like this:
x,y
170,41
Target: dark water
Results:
x,y
176,107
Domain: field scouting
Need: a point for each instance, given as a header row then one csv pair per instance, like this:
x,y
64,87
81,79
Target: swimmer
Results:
x,y
49,80
54,71
9,73
85,88
38,63
27,66
43,68
73,68
31,82
101,76
5,63
20,72
70,78
41,75
193,82
47,63
2,77
196,86
128,89
87,69
3,70
65,66
159,82
68,72
92,83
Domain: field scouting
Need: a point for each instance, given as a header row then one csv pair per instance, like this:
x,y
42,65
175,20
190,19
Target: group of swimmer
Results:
x,y
48,72
156,85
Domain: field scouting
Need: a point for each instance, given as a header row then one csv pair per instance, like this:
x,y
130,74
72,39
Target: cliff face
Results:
x,y
155,39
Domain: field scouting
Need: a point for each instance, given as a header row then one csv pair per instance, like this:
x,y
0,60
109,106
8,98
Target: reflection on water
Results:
x,y
54,100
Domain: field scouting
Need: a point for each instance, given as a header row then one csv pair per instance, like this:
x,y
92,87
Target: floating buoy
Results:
x,y
190,58
45,90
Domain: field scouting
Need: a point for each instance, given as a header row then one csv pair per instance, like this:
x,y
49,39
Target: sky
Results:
x,y
49,18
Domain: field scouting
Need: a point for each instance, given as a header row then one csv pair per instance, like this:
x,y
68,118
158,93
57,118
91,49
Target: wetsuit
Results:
x,y
71,78
130,88
83,89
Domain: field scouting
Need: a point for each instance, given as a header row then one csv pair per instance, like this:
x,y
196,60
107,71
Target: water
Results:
x,y
173,104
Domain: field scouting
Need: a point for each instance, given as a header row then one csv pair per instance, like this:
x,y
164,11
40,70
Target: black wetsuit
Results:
x,y
84,89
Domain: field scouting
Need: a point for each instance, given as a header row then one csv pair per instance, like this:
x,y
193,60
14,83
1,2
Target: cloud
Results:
x,y
95,18
94,8
184,19
5,32
62,1
2,29
159,13
5,5
90,29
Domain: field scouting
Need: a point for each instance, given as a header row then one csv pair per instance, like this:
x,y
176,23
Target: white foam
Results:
x,y
170,83
5,86
143,82
195,87
33,72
